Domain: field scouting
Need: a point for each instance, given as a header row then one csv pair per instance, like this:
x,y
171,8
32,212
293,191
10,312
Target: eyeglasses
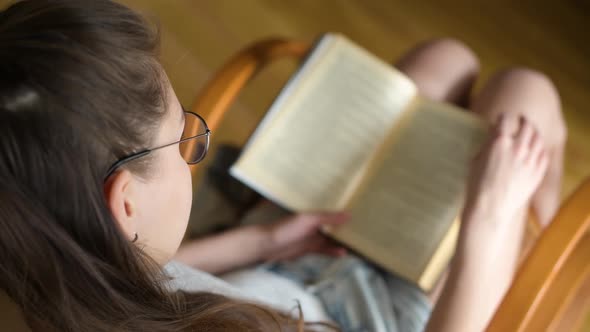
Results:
x,y
193,144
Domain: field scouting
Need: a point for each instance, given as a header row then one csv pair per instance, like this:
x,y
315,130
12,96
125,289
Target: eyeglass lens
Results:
x,y
193,150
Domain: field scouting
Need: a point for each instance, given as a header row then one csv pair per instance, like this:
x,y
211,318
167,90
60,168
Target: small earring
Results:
x,y
135,238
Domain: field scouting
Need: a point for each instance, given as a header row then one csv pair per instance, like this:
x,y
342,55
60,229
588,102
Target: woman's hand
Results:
x,y
287,238
504,176
297,235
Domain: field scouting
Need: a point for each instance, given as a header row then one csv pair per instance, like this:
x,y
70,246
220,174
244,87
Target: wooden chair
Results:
x,y
557,267
551,290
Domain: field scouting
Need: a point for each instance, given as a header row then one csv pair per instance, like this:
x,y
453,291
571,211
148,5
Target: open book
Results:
x,y
350,133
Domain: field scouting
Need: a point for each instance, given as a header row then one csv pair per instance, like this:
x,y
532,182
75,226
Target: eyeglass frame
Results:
x,y
146,152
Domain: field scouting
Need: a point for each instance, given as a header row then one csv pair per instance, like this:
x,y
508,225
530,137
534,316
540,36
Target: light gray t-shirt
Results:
x,y
254,285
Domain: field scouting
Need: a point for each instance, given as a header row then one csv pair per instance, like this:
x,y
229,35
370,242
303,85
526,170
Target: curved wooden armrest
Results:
x,y
557,255
221,91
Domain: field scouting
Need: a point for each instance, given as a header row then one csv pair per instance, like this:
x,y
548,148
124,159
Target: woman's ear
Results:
x,y
118,194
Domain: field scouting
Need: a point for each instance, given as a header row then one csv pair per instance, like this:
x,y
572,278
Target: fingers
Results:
x,y
502,132
316,243
319,243
536,148
334,251
523,137
542,162
528,144
501,125
506,125
323,245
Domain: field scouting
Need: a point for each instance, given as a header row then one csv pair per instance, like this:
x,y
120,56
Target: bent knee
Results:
x,y
442,53
530,78
443,69
547,92
454,50
542,93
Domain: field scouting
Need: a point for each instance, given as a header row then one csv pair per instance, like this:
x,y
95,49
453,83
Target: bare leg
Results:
x,y
528,105
530,94
443,70
504,177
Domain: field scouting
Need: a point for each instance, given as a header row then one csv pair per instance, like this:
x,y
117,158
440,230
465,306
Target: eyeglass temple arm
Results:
x,y
223,88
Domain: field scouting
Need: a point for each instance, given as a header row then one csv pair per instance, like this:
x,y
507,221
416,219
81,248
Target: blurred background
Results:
x,y
198,36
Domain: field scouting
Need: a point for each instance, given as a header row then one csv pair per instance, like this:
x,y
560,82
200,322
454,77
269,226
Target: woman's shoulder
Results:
x,y
254,285
186,278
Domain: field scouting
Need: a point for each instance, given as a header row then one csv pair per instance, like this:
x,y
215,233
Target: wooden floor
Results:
x,y
199,35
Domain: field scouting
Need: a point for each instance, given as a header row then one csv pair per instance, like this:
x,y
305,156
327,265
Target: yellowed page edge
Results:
x,y
441,258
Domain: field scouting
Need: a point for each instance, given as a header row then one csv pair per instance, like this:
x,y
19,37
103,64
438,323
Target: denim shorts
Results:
x,y
358,296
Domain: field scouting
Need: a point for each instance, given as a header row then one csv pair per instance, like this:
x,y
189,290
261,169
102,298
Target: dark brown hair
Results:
x,y
81,87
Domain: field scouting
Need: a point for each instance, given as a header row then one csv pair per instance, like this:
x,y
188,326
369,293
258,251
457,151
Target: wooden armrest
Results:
x,y
221,91
558,246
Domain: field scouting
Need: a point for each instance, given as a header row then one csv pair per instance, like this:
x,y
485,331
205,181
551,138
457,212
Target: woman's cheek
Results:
x,y
185,184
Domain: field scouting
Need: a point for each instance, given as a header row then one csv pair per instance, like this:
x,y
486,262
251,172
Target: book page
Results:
x,y
314,148
410,201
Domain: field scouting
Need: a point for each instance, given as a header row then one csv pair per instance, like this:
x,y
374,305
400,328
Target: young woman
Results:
x,y
95,191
